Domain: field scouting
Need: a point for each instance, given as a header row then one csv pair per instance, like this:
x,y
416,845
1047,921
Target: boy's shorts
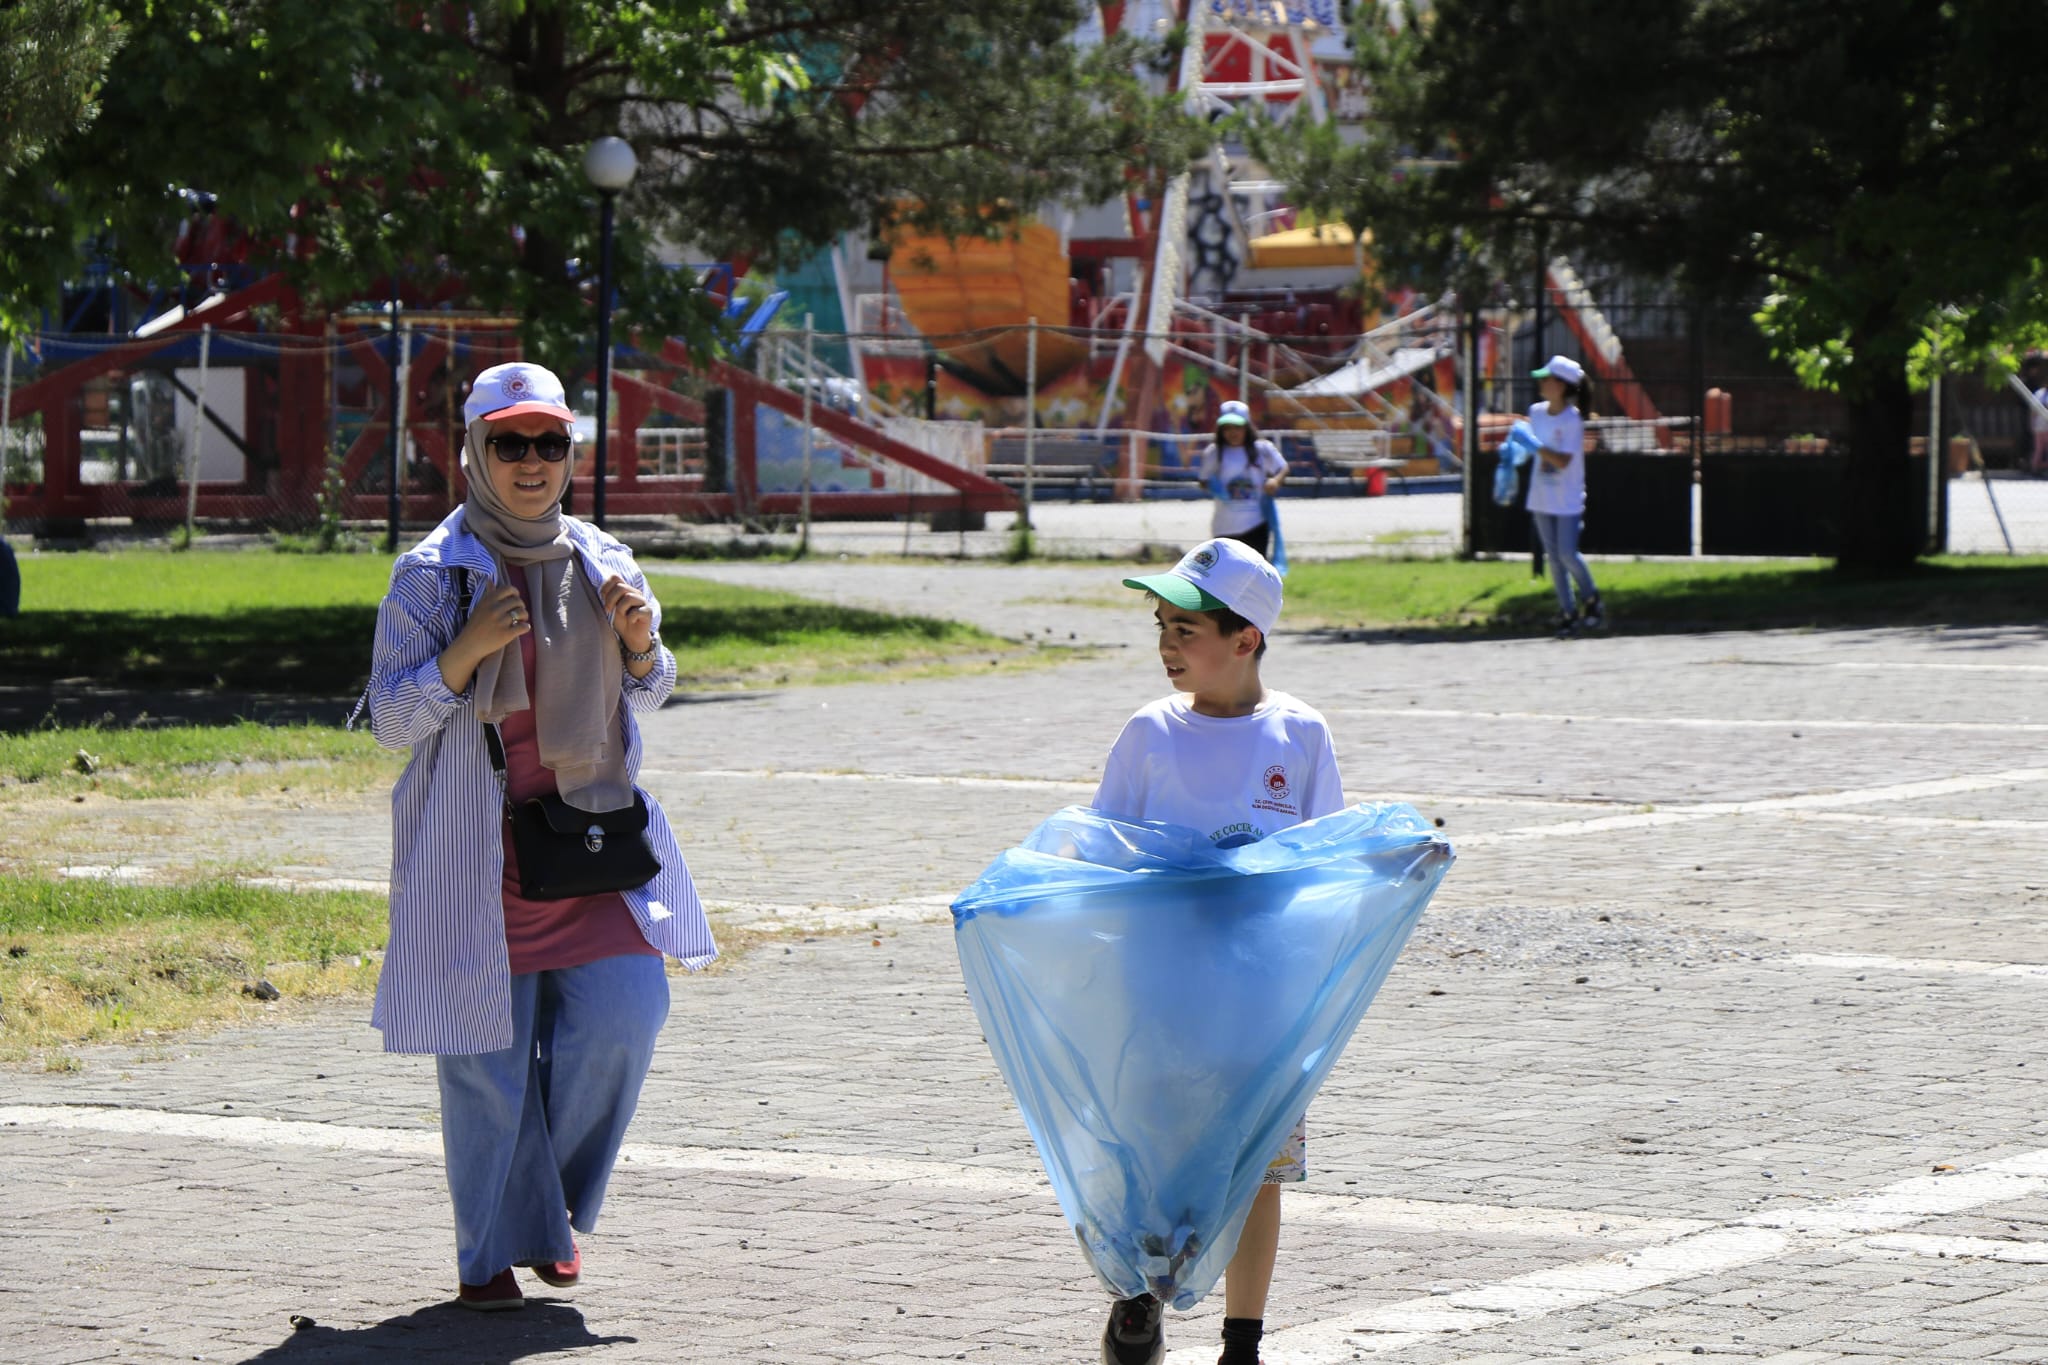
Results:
x,y
1290,1164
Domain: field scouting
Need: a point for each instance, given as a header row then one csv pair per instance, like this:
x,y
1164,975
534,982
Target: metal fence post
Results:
x,y
400,382
804,543
6,405
198,426
1469,415
1030,419
1935,456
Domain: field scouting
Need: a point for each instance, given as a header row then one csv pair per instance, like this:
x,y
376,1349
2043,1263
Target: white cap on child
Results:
x,y
1220,574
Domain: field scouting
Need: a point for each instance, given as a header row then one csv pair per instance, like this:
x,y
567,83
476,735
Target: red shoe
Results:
x,y
497,1296
559,1274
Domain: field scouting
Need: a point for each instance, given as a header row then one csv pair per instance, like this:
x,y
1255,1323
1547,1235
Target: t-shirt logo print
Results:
x,y
1276,783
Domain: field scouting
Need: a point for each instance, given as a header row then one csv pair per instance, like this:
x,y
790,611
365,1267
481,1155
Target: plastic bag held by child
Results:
x,y
1164,1010
1517,448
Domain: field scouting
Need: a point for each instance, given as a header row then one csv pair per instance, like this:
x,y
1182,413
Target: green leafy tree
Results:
x,y
52,56
353,137
1872,168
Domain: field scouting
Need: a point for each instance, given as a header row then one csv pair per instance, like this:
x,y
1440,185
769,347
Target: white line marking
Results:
x,y
1901,1245
1957,822
1691,722
1806,801
318,883
904,779
101,873
1885,665
1934,966
1760,1237
1695,1250
1317,1207
830,918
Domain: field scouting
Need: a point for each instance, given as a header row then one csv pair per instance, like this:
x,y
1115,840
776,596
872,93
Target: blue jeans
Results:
x,y
530,1133
1560,537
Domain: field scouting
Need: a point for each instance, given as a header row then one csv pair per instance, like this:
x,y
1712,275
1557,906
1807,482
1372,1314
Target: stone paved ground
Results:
x,y
1720,1041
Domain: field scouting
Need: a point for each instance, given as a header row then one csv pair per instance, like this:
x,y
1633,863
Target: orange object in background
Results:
x,y
976,283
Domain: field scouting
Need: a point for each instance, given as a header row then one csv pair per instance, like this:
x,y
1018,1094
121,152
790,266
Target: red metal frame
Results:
x,y
300,409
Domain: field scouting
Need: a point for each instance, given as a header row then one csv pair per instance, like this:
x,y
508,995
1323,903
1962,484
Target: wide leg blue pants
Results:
x,y
530,1133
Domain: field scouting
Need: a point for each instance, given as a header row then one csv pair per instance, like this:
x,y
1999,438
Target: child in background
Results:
x,y
1241,470
1557,491
1237,762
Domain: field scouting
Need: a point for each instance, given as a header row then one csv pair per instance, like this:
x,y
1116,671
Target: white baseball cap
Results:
x,y
1234,413
1220,575
1562,367
508,390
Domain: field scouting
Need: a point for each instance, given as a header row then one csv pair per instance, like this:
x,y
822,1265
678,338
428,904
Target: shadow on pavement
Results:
x,y
446,1332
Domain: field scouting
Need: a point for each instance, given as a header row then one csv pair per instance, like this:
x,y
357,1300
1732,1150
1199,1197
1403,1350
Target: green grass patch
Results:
x,y
1454,596
85,961
194,760
302,625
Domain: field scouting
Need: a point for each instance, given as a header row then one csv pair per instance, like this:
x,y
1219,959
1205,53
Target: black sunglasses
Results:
x,y
512,448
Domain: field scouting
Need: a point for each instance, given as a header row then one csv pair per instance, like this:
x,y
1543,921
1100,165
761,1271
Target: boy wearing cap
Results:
x,y
1557,490
1241,471
1227,756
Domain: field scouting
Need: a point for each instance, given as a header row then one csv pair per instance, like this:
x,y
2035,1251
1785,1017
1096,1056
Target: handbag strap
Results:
x,y
492,740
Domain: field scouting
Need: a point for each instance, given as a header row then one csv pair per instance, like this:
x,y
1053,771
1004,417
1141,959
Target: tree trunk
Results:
x,y
1881,516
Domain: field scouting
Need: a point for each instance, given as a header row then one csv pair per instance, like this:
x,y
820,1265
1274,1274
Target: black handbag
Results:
x,y
565,852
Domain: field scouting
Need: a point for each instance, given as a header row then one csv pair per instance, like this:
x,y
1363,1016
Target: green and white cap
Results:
x,y
1220,575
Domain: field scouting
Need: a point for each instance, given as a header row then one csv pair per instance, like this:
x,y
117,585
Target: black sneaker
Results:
x,y
1591,614
1133,1336
1565,625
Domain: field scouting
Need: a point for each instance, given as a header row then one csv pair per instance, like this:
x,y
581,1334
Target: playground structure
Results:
x,y
1087,357
241,409
294,419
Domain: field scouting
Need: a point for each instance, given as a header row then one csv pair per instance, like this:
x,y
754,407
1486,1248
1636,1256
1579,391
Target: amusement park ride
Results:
x,y
1120,327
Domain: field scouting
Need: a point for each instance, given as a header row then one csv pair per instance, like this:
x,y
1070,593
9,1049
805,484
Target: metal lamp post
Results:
x,y
609,165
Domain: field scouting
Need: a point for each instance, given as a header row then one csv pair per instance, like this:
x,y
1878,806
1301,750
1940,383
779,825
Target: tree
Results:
x,y
349,140
1873,167
52,55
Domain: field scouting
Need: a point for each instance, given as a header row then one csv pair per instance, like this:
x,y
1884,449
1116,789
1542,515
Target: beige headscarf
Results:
x,y
577,668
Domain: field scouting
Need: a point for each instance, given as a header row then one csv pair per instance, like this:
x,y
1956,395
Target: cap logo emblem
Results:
x,y
515,385
1204,560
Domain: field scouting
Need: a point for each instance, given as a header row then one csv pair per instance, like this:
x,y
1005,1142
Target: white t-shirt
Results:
x,y
1559,492
1237,779
2037,420
1244,479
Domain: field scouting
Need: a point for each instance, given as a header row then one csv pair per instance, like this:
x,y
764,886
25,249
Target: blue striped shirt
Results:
x,y
446,982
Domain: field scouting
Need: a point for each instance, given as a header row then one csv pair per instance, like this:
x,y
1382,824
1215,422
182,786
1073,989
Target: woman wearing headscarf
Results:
x,y
513,652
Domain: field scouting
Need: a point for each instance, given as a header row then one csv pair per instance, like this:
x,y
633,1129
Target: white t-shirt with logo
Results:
x,y
1559,492
1237,779
1244,482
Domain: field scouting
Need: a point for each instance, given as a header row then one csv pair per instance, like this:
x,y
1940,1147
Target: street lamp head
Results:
x,y
609,164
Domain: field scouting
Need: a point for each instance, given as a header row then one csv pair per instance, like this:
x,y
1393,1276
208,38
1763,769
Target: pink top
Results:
x,y
545,935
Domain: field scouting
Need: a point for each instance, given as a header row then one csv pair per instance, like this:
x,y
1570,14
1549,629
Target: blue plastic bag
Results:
x,y
1164,1010
1517,448
1276,544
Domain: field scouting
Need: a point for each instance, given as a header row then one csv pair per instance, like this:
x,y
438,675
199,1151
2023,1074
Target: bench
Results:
x,y
1076,466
